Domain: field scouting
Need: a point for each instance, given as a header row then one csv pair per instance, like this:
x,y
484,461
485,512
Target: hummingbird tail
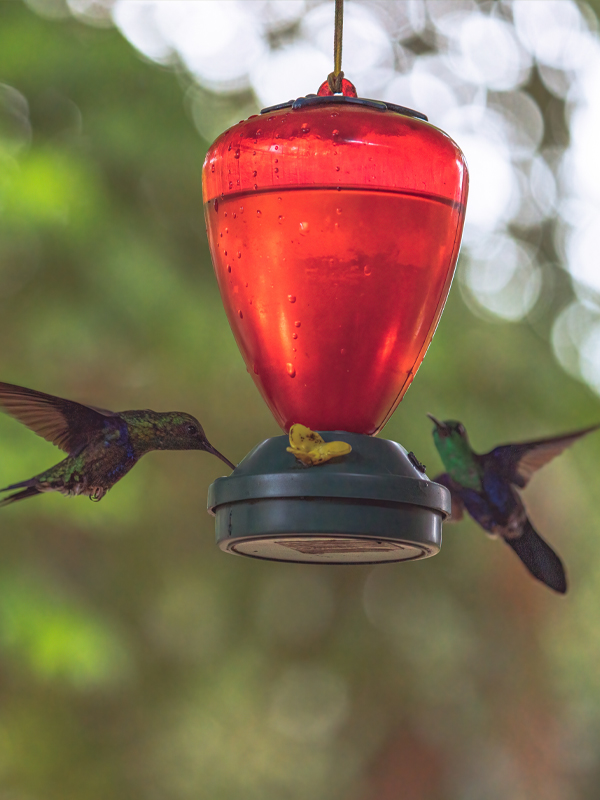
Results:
x,y
31,491
539,558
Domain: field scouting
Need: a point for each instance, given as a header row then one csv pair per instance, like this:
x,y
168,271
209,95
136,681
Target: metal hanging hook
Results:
x,y
334,79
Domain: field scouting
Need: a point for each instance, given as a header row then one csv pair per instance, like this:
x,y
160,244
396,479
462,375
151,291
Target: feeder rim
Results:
x,y
353,487
316,100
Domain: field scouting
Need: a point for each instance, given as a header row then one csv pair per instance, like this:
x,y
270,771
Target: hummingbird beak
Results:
x,y
210,449
439,425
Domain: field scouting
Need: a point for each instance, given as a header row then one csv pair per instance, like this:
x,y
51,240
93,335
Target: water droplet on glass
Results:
x,y
367,270
241,315
258,212
290,370
297,323
292,298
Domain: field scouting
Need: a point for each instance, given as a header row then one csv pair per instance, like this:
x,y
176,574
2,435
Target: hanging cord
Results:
x,y
334,79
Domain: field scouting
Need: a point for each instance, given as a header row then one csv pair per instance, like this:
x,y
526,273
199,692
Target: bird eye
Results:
x,y
191,429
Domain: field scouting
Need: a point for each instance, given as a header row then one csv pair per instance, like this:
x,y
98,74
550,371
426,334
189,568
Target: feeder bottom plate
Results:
x,y
327,549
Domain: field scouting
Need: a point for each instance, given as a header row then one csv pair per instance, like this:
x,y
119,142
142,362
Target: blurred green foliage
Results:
x,y
137,660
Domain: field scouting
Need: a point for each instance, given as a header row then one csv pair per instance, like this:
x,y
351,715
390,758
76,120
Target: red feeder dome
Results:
x,y
334,226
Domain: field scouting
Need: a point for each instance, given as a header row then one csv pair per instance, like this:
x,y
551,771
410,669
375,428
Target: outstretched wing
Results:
x,y
458,507
517,462
66,424
539,558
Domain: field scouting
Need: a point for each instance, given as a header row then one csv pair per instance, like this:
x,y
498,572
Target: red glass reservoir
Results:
x,y
334,229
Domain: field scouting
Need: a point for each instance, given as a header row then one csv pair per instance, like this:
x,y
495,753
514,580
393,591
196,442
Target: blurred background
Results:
x,y
138,660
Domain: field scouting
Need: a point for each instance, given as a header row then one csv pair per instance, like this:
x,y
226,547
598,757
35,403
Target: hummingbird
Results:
x,y
101,446
487,485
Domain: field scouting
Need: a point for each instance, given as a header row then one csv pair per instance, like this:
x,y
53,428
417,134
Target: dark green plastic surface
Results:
x,y
371,506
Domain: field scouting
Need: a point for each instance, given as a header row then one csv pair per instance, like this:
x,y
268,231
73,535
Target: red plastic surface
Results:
x,y
334,232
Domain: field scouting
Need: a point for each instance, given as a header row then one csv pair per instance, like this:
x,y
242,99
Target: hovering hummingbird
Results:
x,y
102,446
486,486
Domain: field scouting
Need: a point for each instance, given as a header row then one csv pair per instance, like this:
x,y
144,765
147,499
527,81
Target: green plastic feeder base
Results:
x,y
372,506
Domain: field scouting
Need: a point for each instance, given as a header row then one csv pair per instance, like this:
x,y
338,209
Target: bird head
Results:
x,y
450,439
179,431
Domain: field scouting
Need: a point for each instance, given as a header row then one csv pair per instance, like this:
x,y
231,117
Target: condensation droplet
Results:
x,y
254,173
229,148
290,370
276,147
225,214
255,368
276,161
343,351
297,323
241,315
231,184
304,227
241,209
234,215
292,298
276,170
228,267
367,270
246,285
335,132
216,202
294,335
256,185
338,211
337,169
293,349
239,254
212,169
258,212
225,253
236,154
280,217
305,128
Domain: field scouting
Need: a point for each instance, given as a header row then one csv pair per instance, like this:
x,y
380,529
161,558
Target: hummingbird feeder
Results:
x,y
334,225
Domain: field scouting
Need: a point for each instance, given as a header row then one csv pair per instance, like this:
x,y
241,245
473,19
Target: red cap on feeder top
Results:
x,y
334,226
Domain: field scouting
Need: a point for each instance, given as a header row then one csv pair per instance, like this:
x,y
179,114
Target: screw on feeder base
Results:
x,y
371,506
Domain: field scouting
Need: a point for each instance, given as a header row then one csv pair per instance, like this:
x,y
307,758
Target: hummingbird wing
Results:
x,y
517,462
66,424
458,507
539,558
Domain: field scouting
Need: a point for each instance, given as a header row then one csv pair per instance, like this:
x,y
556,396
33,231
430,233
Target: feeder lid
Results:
x,y
318,100
376,470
